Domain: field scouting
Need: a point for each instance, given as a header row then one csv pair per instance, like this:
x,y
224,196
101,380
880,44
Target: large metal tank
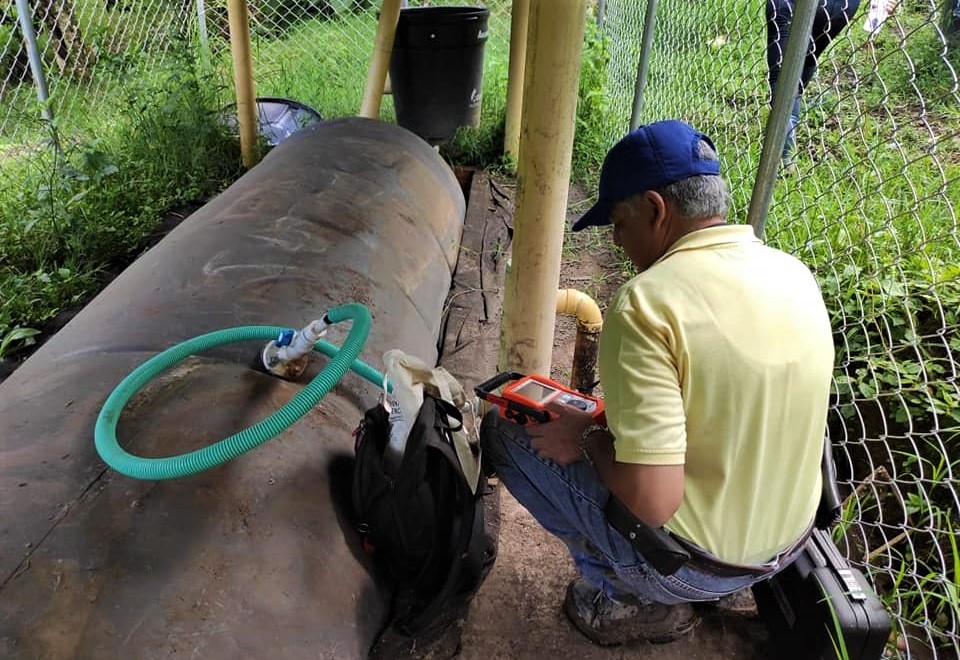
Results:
x,y
253,559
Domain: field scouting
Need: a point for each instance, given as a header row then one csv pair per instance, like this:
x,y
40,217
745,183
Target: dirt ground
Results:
x,y
517,612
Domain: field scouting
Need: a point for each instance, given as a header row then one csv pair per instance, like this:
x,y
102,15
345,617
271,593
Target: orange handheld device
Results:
x,y
524,399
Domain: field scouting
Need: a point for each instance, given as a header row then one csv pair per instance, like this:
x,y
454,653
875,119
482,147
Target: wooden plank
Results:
x,y
470,336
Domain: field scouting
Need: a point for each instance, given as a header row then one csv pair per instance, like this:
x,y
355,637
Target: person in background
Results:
x,y
715,364
831,18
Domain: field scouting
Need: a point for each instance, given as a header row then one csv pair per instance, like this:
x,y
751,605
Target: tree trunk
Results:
x,y
73,56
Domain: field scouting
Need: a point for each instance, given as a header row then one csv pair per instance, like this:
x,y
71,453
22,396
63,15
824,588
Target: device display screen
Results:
x,y
577,402
535,391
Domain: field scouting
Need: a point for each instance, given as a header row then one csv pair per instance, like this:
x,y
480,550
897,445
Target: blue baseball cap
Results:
x,y
650,157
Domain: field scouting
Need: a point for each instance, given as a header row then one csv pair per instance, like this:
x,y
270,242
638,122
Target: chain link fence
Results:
x,y
93,52
89,51
869,198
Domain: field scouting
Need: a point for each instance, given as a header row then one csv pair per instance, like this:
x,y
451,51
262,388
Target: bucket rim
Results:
x,y
443,13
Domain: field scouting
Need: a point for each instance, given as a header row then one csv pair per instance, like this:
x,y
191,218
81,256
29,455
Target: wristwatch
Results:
x,y
582,440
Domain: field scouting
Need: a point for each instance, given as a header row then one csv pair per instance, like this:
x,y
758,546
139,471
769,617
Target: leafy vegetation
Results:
x,y
75,207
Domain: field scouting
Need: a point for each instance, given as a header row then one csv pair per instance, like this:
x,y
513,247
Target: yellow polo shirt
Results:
x,y
719,357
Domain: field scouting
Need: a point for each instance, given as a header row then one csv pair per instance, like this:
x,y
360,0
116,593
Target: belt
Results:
x,y
708,563
654,544
667,552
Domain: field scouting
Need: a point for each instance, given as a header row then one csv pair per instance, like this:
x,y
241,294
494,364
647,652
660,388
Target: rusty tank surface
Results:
x,y
255,558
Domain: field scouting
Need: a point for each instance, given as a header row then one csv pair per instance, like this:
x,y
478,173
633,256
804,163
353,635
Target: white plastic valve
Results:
x,y
304,340
289,359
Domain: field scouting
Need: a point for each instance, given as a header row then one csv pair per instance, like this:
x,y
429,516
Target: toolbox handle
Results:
x,y
828,511
515,411
489,385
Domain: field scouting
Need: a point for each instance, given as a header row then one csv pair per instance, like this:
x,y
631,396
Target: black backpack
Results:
x,y
430,537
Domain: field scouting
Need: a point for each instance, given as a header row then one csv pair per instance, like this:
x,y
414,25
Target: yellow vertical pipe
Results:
x,y
555,46
380,60
519,19
239,20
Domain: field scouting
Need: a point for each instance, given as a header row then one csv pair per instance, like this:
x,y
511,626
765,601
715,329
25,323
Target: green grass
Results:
x,y
316,62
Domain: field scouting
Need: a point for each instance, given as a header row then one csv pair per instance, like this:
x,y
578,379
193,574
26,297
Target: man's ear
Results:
x,y
659,205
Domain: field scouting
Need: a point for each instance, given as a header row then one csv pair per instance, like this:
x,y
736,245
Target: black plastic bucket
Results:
x,y
436,69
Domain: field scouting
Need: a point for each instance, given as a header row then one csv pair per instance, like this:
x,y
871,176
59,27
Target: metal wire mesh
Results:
x,y
869,198
705,66
88,49
313,51
870,202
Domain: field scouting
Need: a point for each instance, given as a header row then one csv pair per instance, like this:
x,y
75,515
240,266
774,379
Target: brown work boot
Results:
x,y
610,622
739,603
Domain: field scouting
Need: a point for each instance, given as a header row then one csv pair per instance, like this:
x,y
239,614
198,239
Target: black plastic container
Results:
x,y
436,70
822,608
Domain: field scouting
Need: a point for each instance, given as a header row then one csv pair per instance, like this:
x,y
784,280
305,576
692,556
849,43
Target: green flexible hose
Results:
x,y
173,467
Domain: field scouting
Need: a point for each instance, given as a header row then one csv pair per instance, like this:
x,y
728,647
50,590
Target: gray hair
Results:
x,y
701,196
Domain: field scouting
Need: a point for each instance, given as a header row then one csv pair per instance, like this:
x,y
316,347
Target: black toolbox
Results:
x,y
820,607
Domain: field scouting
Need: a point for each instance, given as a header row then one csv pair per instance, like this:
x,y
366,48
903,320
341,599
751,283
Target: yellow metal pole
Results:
x,y
518,57
243,80
543,177
380,61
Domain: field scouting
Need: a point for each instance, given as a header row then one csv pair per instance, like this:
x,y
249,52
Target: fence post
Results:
x,y
649,23
554,52
601,12
243,80
33,54
380,60
776,131
202,27
519,15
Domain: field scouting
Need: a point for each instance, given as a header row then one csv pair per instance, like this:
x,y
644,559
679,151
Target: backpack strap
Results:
x,y
450,389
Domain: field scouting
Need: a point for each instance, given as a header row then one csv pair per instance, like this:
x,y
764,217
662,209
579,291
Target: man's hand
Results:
x,y
557,439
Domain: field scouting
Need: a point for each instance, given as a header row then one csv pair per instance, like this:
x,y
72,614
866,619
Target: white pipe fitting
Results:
x,y
290,359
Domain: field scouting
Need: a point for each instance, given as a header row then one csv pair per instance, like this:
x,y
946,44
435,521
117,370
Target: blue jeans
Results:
x,y
830,19
569,502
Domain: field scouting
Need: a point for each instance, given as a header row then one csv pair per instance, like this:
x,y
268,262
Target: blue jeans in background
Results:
x,y
569,502
831,17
